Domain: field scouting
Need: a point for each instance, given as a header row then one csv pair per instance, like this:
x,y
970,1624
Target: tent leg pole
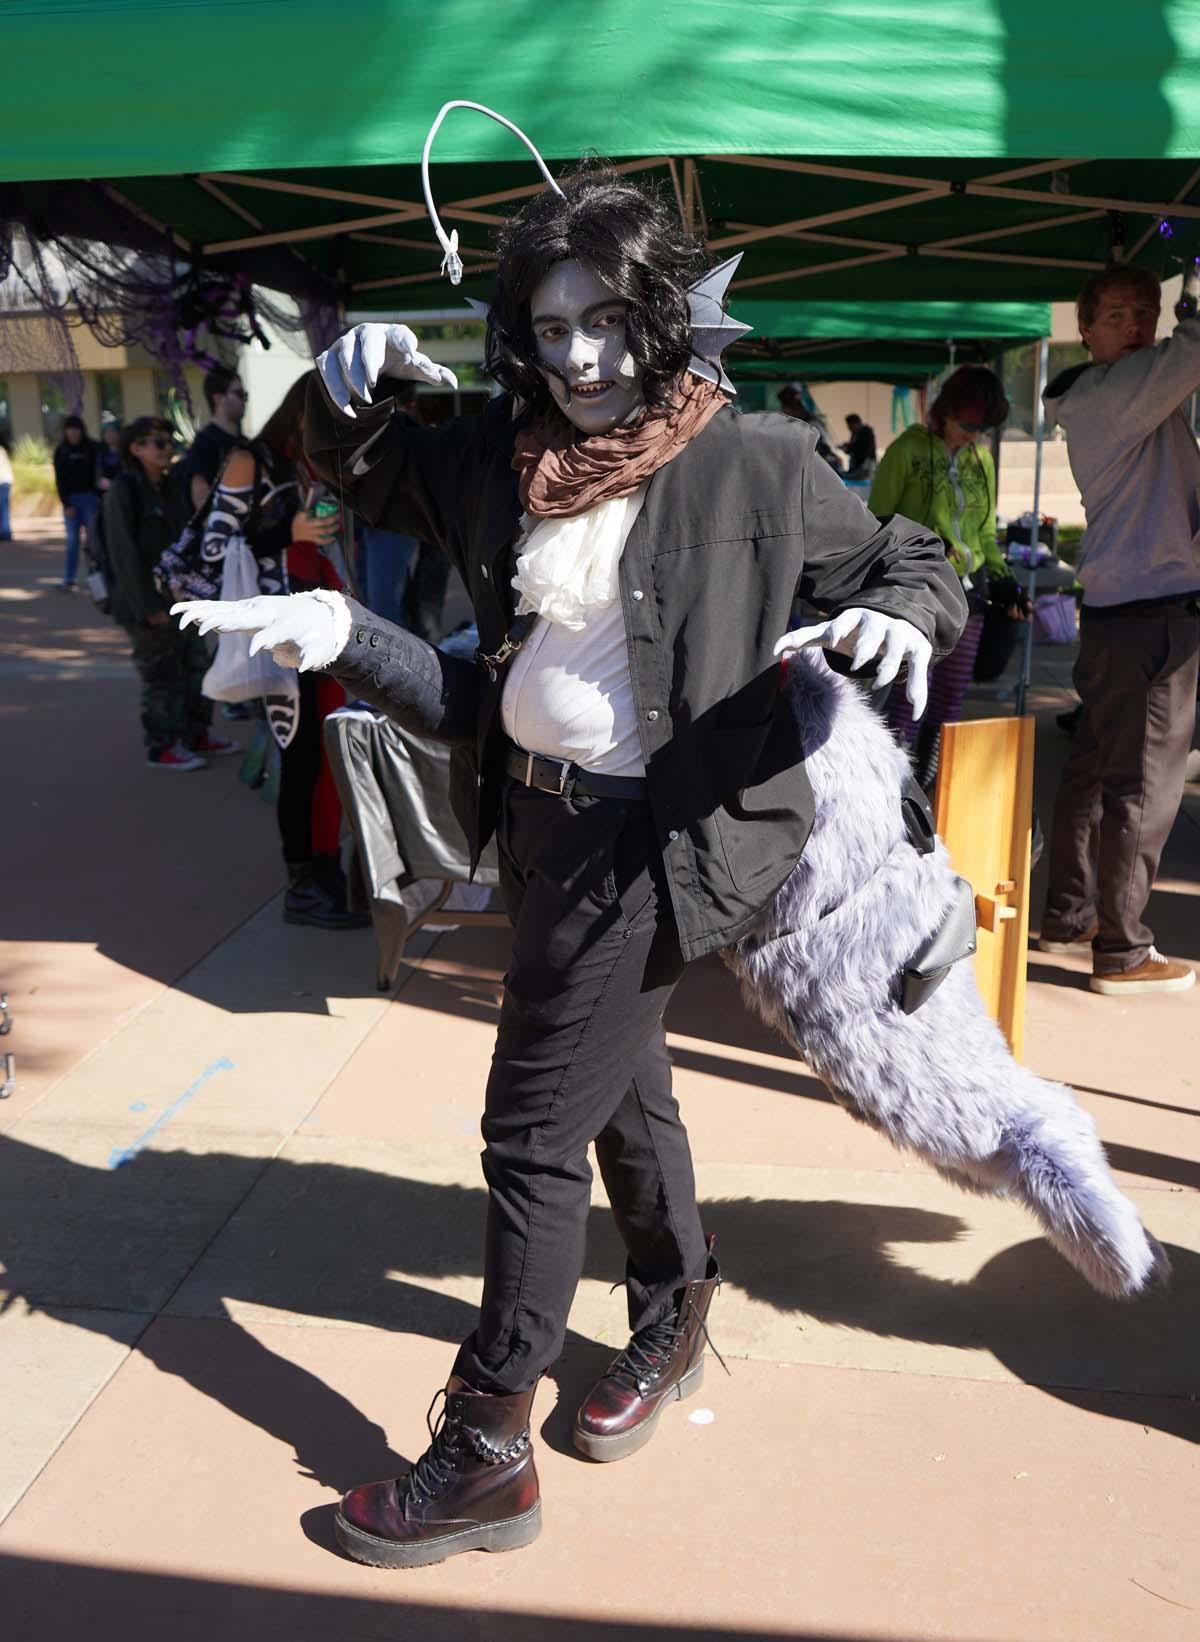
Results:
x,y
1039,425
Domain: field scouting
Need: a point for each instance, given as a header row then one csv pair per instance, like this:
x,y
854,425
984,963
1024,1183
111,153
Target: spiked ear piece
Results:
x,y
712,328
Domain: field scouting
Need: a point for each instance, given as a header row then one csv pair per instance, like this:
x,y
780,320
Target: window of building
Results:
x,y
54,407
5,408
112,398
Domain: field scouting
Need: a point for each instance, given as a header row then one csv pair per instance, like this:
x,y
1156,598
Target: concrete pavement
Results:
x,y
241,1212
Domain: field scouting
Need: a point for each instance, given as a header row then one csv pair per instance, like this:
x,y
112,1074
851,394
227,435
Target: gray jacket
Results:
x,y
742,520
1137,466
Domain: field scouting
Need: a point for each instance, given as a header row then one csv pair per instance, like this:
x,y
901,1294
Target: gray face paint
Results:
x,y
579,326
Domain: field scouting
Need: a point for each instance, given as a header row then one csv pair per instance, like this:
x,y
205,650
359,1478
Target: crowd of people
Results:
x,y
131,496
127,497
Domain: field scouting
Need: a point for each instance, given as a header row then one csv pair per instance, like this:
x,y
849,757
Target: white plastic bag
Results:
x,y
236,675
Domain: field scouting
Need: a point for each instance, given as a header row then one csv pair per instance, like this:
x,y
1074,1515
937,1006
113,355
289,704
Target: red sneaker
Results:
x,y
215,746
175,758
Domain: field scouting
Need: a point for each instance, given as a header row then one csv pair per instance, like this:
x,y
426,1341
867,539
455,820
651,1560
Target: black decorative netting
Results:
x,y
76,255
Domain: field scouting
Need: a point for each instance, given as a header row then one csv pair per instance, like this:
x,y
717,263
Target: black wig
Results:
x,y
633,240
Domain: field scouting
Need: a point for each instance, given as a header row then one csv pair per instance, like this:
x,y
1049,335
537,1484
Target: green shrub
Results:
x,y
33,470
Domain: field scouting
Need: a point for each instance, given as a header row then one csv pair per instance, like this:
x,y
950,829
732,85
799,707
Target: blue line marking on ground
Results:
x,y
125,1154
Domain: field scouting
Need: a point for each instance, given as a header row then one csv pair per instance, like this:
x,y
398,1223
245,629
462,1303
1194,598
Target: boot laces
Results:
x,y
437,1466
646,1356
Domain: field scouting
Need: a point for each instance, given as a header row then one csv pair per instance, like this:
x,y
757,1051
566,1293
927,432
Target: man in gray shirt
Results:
x,y
1136,462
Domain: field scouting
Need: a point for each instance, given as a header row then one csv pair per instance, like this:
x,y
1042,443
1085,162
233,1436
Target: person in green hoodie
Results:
x,y
937,473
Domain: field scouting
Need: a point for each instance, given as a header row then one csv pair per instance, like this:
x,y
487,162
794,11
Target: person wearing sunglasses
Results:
x,y
226,399
939,474
143,515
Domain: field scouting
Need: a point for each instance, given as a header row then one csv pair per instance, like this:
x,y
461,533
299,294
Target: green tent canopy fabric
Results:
x,y
898,342
853,149
188,86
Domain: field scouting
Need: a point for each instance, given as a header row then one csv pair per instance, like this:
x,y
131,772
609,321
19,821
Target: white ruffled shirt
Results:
x,y
568,692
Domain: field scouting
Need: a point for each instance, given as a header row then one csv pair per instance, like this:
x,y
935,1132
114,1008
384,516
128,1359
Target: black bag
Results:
x,y
183,571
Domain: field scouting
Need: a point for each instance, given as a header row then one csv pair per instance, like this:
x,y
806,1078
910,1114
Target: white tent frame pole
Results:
x,y
1010,230
850,213
1143,239
1151,208
419,279
815,268
1039,425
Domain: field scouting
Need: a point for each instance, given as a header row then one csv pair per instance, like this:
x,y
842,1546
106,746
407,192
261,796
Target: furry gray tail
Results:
x,y
823,965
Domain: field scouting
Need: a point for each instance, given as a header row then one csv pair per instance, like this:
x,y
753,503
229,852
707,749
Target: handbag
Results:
x,y
236,675
1054,618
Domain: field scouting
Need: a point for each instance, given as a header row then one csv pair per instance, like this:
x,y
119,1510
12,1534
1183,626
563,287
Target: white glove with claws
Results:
x,y
864,634
353,367
302,630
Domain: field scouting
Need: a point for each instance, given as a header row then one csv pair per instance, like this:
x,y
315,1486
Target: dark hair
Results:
x,y
140,428
5,440
219,380
971,393
1141,279
71,422
281,431
853,416
632,240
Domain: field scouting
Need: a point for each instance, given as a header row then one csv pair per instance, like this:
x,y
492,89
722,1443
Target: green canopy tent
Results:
x,y
276,137
896,342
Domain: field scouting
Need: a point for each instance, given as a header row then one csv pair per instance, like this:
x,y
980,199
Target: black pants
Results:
x,y
580,1056
299,770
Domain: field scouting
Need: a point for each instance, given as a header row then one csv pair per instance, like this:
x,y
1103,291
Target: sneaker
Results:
x,y
1154,974
1069,943
176,758
215,746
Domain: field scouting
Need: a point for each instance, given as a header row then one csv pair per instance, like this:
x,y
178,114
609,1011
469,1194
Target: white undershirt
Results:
x,y
568,692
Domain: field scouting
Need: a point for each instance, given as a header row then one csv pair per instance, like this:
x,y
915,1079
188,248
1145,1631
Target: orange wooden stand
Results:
x,y
984,813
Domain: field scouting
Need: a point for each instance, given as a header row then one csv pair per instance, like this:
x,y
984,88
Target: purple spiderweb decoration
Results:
x,y
82,254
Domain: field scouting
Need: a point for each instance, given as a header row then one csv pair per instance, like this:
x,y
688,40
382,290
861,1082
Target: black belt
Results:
x,y
1187,604
559,775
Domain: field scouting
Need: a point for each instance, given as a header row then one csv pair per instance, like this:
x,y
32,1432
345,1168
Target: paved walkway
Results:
x,y
240,1212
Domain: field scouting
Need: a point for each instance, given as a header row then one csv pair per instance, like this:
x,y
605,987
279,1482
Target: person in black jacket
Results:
x,y
76,477
142,516
859,449
633,549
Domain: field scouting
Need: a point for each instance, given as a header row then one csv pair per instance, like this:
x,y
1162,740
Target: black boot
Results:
x,y
313,898
474,1489
662,1363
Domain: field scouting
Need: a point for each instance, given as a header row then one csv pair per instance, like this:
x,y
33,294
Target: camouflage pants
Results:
x,y
171,665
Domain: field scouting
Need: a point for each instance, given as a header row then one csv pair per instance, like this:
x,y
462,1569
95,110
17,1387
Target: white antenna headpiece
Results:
x,y
451,261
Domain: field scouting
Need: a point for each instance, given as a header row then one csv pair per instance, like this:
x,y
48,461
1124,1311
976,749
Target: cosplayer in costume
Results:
x,y
633,549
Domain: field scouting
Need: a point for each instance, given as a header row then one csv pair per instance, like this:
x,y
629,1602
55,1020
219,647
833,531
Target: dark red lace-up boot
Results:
x,y
662,1363
474,1489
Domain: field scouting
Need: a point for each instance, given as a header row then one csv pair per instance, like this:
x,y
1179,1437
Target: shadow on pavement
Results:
x,y
348,1244
45,1600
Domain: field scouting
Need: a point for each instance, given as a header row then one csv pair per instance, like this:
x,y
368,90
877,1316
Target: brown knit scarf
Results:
x,y
561,473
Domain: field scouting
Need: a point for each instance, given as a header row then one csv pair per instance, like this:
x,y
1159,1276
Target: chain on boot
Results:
x,y
474,1489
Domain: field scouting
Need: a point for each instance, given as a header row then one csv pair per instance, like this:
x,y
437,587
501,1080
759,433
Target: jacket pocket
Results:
x,y
763,809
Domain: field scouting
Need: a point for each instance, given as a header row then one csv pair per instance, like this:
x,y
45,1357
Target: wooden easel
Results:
x,y
984,813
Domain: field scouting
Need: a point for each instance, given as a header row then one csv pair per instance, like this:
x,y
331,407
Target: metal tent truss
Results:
x,y
810,227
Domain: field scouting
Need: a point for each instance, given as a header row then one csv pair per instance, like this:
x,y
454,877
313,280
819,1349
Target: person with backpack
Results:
x,y
266,494
142,517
